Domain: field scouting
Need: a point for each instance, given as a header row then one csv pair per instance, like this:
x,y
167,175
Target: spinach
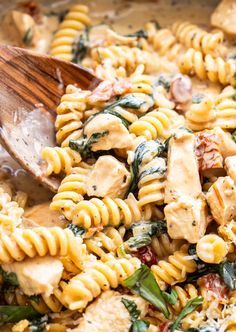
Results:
x,y
77,230
154,148
171,297
163,82
27,38
188,308
35,298
152,170
83,146
9,278
125,122
227,272
150,228
143,283
39,324
80,46
138,241
138,325
138,34
203,329
234,136
15,313
197,98
131,306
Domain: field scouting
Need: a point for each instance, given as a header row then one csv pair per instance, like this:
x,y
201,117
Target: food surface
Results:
x,y
140,236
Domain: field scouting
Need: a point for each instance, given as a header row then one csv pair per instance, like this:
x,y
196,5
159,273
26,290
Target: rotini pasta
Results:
x,y
74,22
164,246
212,249
225,109
101,276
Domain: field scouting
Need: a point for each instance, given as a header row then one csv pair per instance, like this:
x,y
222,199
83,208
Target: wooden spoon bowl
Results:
x,y
31,86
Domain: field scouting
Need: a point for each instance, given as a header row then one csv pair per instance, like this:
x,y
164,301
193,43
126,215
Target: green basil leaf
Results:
x,y
138,34
77,230
143,283
27,38
39,324
188,308
138,241
9,278
163,81
35,298
14,313
227,272
132,308
170,297
80,46
140,326
150,228
128,101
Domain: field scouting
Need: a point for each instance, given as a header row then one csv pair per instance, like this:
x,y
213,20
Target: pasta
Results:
x,y
141,233
101,276
76,20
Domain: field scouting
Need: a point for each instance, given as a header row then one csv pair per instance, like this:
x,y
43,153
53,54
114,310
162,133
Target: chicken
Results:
x,y
186,218
221,198
37,275
108,313
182,168
224,16
230,166
227,144
115,178
116,135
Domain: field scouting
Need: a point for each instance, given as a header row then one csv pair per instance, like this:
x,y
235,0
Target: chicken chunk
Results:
x,y
186,218
224,16
221,198
108,313
230,166
227,144
116,135
115,178
39,275
182,168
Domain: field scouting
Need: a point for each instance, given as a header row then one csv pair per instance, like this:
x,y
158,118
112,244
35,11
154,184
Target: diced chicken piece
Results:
x,y
109,177
221,198
224,16
108,313
186,218
116,135
182,168
42,215
21,27
37,275
230,166
227,144
208,153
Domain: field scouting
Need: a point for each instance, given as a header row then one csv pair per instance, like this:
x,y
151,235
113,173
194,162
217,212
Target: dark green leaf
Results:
x,y
197,98
170,297
150,228
163,81
138,241
14,313
80,47
138,34
128,101
188,308
35,298
227,272
234,136
27,38
125,122
132,308
39,324
143,283
140,326
77,230
152,170
9,278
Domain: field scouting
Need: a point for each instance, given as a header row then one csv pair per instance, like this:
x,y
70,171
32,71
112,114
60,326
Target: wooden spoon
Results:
x,y
31,85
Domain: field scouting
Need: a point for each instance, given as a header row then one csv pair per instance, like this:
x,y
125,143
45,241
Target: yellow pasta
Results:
x,y
211,249
60,159
74,22
226,109
100,276
164,246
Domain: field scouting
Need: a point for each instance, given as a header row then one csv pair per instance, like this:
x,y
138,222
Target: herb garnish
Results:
x,y
138,325
15,313
138,34
77,230
27,38
80,46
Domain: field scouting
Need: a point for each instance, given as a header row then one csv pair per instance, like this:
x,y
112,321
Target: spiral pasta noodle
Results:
x,y
104,243
157,123
173,270
107,211
10,212
226,109
100,276
216,70
164,246
202,115
191,36
152,182
40,241
71,190
74,22
70,112
185,293
60,159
